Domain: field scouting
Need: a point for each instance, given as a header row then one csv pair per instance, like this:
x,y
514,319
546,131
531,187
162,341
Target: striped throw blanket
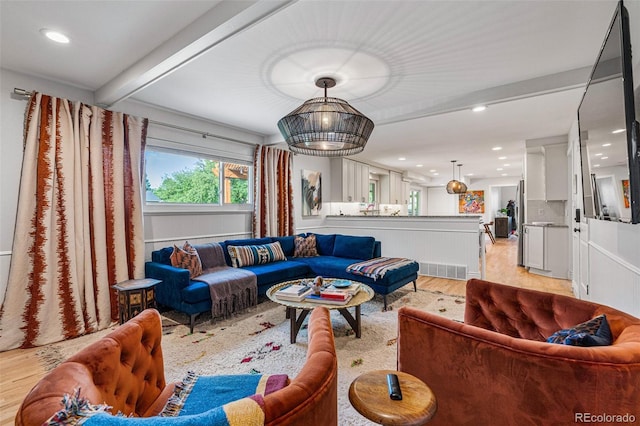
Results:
x,y
376,268
236,400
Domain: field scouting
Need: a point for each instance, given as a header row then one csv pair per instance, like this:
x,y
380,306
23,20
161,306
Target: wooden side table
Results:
x,y
134,296
369,395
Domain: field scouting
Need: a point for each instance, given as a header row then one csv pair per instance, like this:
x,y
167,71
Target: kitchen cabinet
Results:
x,y
546,250
349,181
556,173
546,173
397,189
534,247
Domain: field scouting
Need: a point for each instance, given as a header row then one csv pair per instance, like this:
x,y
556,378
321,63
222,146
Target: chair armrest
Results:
x,y
173,281
483,377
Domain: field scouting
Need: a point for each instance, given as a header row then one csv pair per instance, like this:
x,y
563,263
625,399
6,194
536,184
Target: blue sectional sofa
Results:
x,y
335,253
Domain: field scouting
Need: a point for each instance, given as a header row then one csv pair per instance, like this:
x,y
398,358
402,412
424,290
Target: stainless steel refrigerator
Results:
x,y
519,216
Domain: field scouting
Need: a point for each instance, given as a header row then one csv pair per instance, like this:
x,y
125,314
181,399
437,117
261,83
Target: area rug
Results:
x,y
258,342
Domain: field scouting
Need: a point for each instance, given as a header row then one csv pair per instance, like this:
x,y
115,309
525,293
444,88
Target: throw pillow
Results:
x,y
255,255
305,246
186,258
595,332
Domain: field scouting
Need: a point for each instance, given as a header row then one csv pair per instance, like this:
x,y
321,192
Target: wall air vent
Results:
x,y
441,270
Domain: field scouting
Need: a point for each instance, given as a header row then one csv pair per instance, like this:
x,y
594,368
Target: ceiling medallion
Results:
x,y
326,127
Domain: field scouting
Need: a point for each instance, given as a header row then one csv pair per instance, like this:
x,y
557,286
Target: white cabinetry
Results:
x,y
397,189
534,247
546,250
556,180
349,181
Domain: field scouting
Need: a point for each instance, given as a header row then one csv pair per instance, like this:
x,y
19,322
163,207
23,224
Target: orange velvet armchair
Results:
x,y
497,368
125,370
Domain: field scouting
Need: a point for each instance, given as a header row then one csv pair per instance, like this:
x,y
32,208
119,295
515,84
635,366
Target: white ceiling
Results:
x,y
414,67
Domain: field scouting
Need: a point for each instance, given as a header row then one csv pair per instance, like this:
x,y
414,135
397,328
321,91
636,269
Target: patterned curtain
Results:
x,y
273,211
79,221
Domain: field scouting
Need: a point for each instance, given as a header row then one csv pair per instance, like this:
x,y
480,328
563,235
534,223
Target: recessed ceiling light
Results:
x,y
598,154
56,36
432,170
401,158
499,169
507,165
469,174
606,144
418,165
619,131
436,174
479,108
596,165
502,158
504,174
604,158
496,148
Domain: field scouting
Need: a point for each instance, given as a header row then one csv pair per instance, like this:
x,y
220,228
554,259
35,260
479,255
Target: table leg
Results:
x,y
353,322
296,323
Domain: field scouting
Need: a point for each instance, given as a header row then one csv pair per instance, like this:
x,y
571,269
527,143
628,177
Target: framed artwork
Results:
x,y
625,193
311,193
471,202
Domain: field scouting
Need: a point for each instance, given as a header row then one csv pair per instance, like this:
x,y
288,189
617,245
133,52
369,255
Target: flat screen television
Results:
x,y
609,131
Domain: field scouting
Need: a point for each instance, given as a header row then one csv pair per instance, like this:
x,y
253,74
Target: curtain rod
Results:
x,y
26,94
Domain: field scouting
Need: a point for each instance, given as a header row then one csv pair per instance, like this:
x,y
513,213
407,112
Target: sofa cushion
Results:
x,y
354,247
255,255
305,246
287,244
277,272
594,332
324,244
186,258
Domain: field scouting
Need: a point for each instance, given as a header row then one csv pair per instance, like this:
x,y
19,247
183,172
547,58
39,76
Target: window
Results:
x,y
414,203
176,177
373,189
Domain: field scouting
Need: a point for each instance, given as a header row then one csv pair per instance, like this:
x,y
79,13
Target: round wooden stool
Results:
x,y
369,395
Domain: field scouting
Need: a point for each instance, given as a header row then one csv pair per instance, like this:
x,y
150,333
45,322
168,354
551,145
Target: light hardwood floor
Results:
x,y
20,369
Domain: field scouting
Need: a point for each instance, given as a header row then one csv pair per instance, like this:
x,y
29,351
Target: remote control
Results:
x,y
394,387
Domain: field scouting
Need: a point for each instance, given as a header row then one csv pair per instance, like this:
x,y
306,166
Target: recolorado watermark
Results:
x,y
603,418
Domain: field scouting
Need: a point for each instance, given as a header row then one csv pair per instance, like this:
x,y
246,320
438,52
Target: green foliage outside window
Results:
x,y
199,185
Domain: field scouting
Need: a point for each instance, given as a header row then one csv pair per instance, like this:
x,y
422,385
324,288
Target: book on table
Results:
x,y
293,292
328,301
353,289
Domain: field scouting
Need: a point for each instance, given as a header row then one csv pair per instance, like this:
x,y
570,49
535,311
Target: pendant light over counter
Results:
x,y
455,186
326,127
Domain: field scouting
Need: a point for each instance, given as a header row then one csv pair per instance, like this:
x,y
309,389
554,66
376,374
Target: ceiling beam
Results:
x,y
221,22
547,84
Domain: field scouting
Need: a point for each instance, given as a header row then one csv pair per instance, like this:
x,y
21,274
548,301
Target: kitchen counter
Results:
x,y
546,224
459,217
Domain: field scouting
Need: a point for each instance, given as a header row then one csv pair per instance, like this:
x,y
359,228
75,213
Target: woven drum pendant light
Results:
x,y
454,186
326,127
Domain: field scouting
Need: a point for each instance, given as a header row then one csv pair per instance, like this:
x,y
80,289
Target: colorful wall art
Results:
x,y
311,193
471,202
625,193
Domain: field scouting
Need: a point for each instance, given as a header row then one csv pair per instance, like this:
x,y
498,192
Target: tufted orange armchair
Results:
x,y
125,370
496,368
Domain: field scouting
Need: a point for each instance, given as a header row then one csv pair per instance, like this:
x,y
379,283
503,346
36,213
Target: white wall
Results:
x,y
439,202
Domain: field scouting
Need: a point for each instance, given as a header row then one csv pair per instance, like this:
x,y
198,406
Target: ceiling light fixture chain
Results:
x,y
326,127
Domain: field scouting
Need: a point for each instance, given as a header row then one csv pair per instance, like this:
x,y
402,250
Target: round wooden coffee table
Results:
x,y
365,294
369,395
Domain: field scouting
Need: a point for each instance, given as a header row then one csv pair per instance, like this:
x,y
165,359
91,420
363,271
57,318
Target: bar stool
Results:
x,y
487,229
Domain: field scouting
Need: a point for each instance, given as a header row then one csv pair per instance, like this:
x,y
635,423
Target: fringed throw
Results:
x,y
232,289
378,267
